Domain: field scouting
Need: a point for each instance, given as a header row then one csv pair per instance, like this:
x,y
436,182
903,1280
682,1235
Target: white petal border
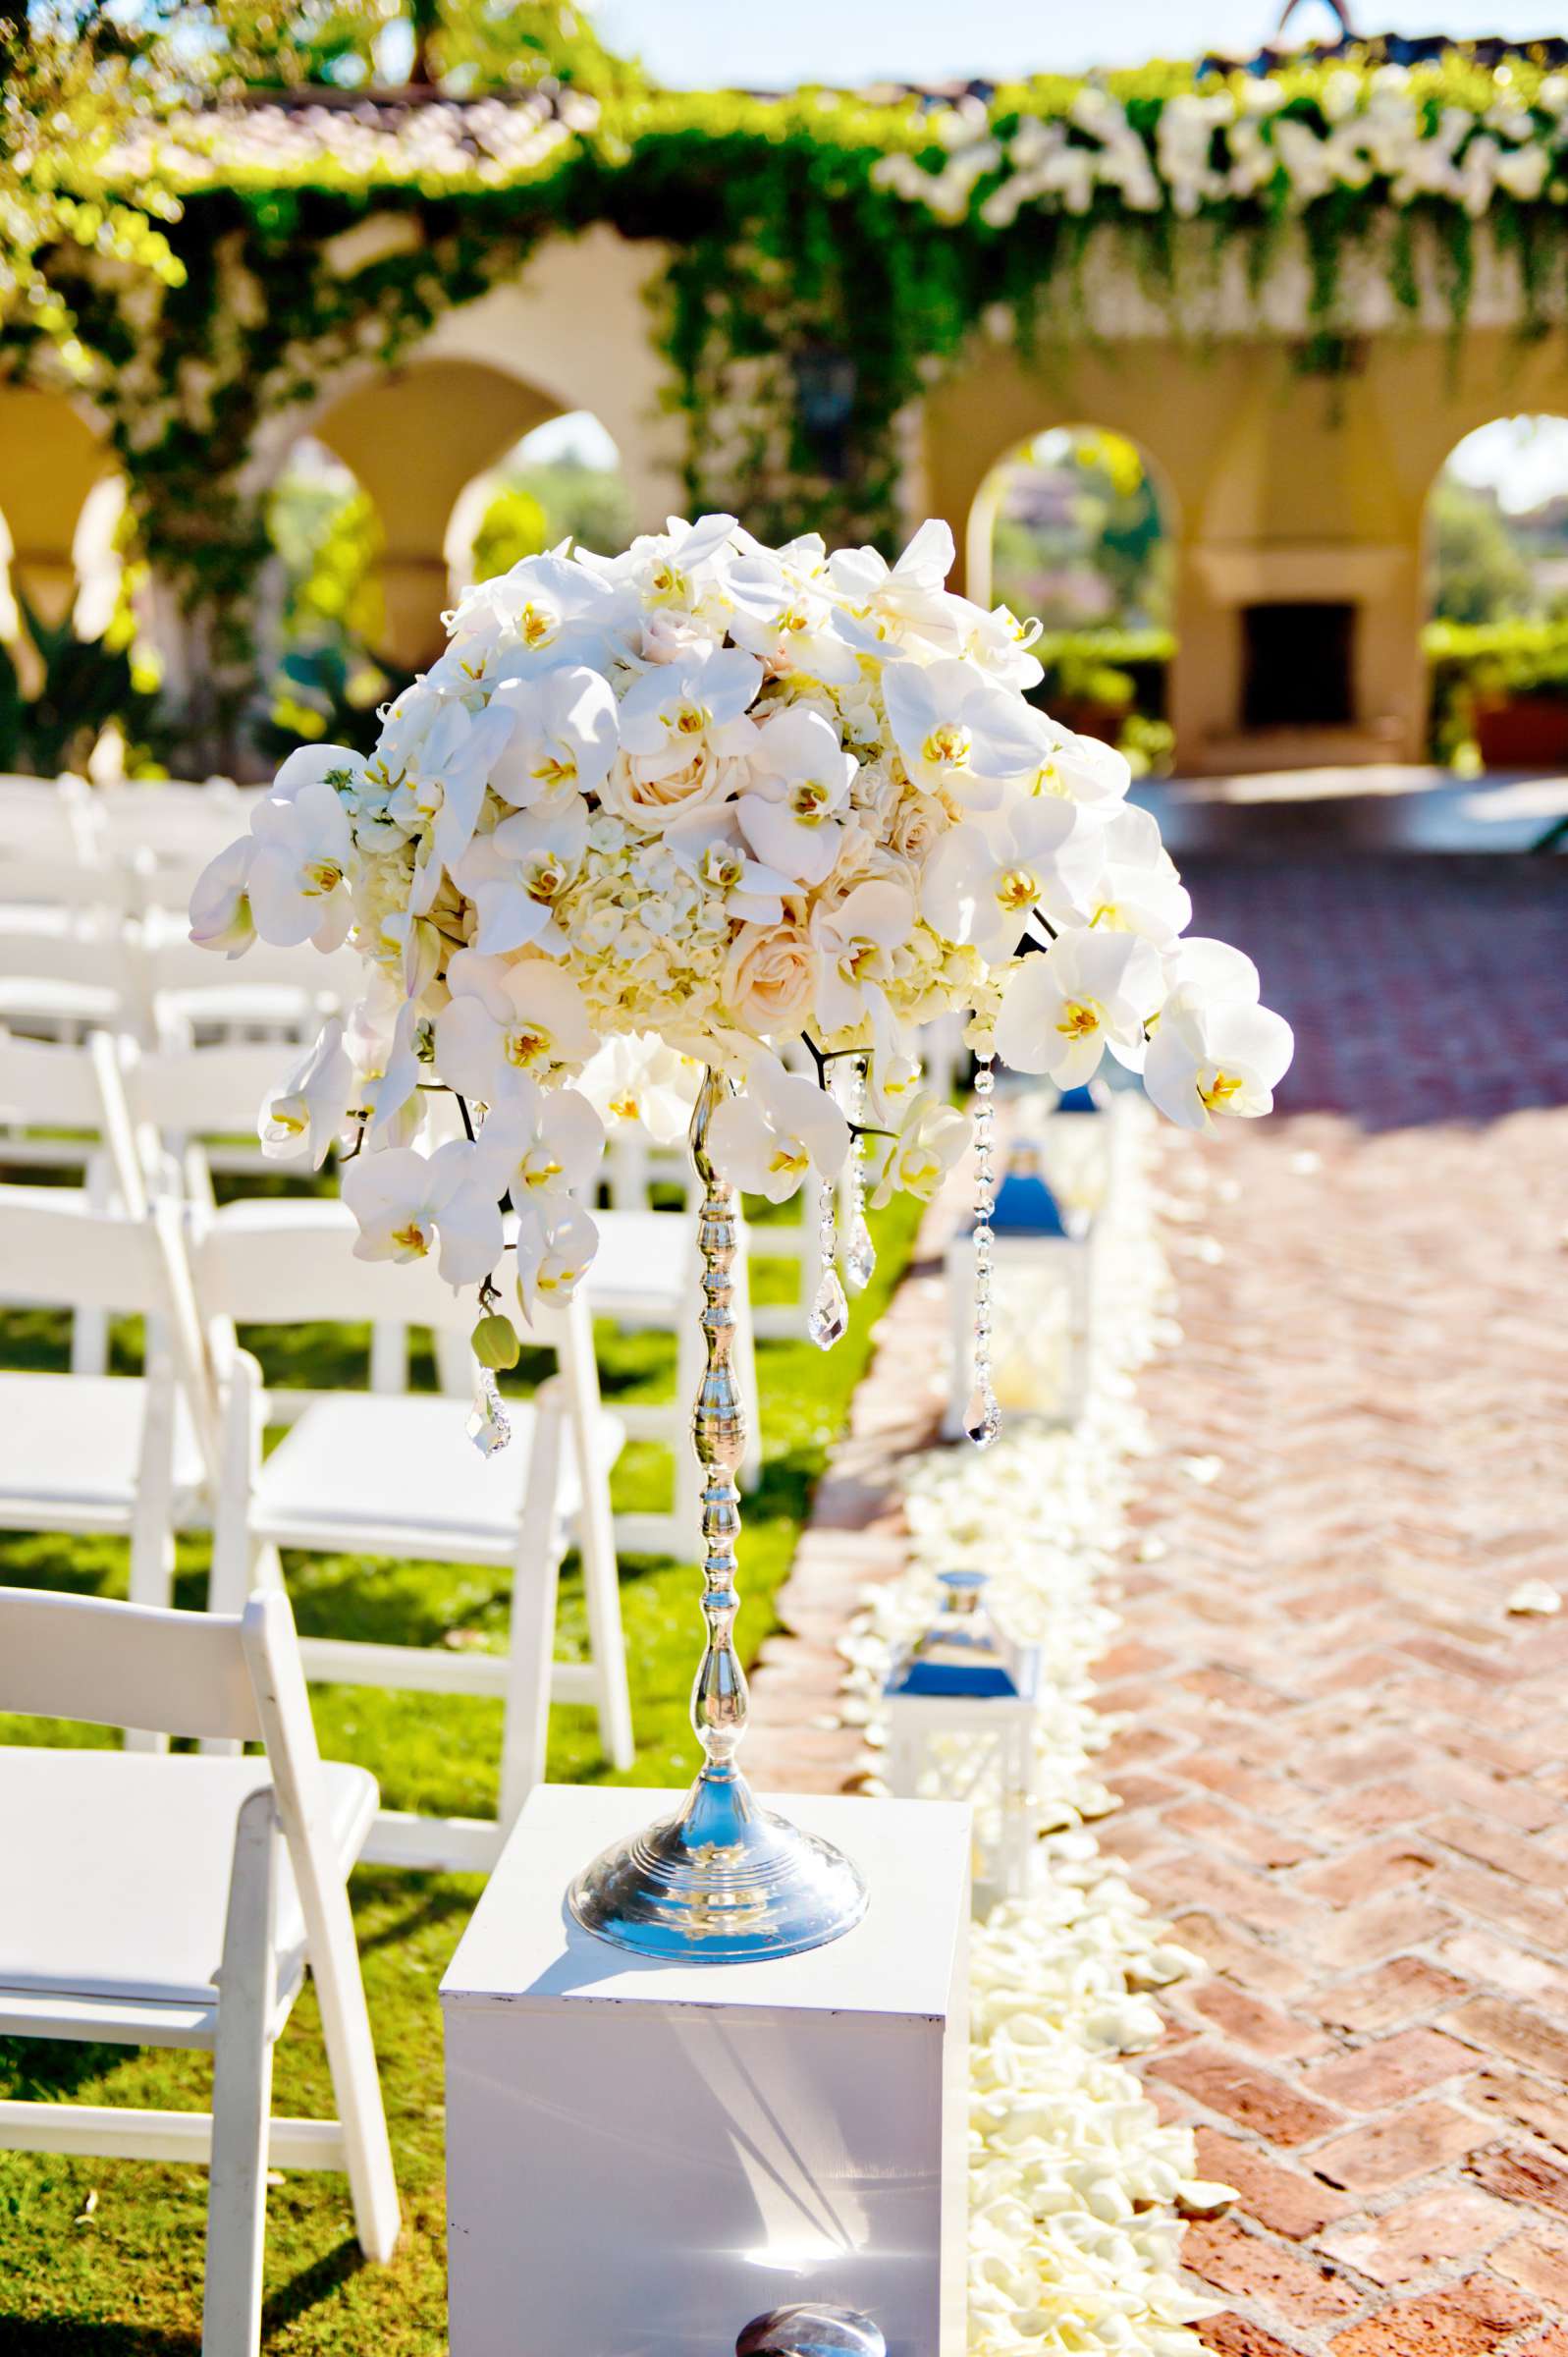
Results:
x,y
1076,2187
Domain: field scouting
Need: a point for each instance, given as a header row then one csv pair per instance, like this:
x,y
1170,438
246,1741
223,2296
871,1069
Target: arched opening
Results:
x,y
325,667
563,480
77,678
413,439
1496,560
1074,529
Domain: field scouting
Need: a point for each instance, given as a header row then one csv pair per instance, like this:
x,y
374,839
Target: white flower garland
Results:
x,y
1244,138
1074,2182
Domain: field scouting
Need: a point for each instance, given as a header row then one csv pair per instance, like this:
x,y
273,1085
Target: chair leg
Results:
x,y
389,1358
242,2093
355,2080
531,1644
596,1544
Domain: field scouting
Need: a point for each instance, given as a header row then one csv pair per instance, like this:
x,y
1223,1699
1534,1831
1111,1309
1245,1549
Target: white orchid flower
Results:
x,y
1080,769
930,1140
784,615
389,1057
297,883
1060,1012
957,730
306,1114
709,848
508,1022
563,737
854,940
982,880
1117,876
541,1142
517,873
408,1203
679,710
803,776
554,1251
777,1128
638,1078
336,765
553,612
448,788
885,606
998,644
1226,1058
220,903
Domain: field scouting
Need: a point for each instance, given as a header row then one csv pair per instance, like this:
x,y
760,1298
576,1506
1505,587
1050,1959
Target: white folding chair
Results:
x,y
644,1275
48,817
177,1901
368,1474
62,1109
117,1456
194,1111
63,980
268,994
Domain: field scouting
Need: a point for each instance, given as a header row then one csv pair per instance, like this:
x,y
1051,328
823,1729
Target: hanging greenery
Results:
x,y
829,255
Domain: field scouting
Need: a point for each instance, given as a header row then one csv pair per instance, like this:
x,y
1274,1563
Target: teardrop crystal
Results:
x,y
830,1312
489,1428
860,1254
982,1417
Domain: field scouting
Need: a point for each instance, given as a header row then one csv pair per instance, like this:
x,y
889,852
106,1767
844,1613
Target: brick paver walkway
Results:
x,y
1346,1767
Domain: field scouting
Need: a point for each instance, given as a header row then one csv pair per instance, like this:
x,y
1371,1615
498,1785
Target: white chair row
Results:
x,y
181,1448
134,843
66,971
176,1901
142,1121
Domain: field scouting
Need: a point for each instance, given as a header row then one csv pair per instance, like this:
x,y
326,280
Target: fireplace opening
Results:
x,y
1297,664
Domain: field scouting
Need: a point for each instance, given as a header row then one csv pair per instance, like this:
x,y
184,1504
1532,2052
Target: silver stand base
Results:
x,y
722,1883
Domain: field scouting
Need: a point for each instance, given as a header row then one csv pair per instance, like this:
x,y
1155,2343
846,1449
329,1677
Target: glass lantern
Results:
x,y
1040,1303
960,1705
1078,1139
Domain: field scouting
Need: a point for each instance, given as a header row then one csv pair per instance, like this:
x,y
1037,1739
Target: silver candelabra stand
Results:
x,y
722,1880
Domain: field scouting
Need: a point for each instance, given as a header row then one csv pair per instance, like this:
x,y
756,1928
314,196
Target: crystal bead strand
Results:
x,y
830,1312
860,1254
983,1423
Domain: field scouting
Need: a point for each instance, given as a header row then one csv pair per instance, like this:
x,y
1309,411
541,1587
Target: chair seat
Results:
x,y
645,1265
116,1868
70,1447
359,1471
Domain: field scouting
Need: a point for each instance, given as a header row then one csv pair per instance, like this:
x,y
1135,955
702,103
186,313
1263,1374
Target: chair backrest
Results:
x,y
44,1085
58,879
262,1265
215,1091
67,953
171,961
46,817
126,1665
78,1259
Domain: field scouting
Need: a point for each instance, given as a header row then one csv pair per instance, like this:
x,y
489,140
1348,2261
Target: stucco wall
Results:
x,y
1278,485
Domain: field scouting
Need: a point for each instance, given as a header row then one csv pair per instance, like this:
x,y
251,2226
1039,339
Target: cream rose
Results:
x,y
646,794
770,979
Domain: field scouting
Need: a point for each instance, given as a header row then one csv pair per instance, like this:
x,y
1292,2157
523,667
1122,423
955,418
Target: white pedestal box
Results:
x,y
642,2157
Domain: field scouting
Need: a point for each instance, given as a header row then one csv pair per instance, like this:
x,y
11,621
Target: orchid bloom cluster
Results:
x,y
1245,138
712,803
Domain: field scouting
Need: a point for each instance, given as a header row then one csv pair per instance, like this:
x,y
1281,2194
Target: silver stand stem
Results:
x,y
724,1880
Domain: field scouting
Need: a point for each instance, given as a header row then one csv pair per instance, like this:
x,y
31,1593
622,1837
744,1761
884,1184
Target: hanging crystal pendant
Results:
x,y
829,1321
982,1417
489,1427
860,1254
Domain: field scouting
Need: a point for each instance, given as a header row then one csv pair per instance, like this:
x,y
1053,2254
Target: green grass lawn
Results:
x,y
120,2275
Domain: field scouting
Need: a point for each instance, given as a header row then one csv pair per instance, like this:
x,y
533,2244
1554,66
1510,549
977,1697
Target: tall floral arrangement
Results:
x,y
711,803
